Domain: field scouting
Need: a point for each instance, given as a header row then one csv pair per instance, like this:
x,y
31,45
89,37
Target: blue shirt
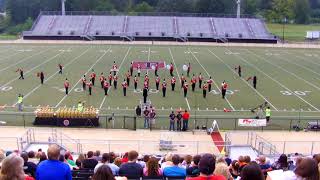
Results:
x,y
53,170
174,171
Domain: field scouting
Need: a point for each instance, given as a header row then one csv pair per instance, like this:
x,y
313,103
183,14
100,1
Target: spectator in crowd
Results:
x,y
152,168
79,160
207,166
117,161
2,156
112,157
316,157
63,160
144,161
52,169
185,118
32,157
97,155
227,159
39,153
28,167
42,157
131,169
175,170
281,163
193,170
106,161
187,161
12,168
104,173
90,162
167,161
234,169
67,157
252,171
307,169
223,170
172,117
265,167
125,158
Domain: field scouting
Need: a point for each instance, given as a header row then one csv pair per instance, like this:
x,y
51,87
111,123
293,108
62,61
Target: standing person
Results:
x,y
173,83
138,111
124,87
239,71
210,81
152,118
188,70
66,86
193,82
204,90
128,78
172,116
145,94
135,82
93,77
60,68
21,73
182,80
171,69
106,87
84,82
185,88
90,84
110,77
156,68
164,88
179,117
146,113
114,68
102,79
115,81
268,114
131,68
254,82
224,87
41,77
139,70
200,78
185,118
157,82
20,102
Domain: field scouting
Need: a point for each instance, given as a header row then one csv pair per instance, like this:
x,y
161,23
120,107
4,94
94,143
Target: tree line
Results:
x,y
21,13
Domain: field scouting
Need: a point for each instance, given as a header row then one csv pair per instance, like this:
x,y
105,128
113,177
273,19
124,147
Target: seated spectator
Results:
x,y
187,161
28,167
63,160
104,173
193,170
167,161
207,166
90,162
106,161
52,169
42,157
39,153
112,157
234,169
131,169
282,163
175,170
117,161
67,157
227,159
265,167
316,157
307,169
97,155
32,157
152,168
223,170
144,161
252,171
79,160
124,158
12,168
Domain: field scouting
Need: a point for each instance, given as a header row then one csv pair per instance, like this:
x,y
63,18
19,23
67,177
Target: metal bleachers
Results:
x,y
148,27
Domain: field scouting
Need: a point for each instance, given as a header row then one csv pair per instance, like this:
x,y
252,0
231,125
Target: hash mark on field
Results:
x,y
244,80
178,76
65,96
66,65
283,86
212,77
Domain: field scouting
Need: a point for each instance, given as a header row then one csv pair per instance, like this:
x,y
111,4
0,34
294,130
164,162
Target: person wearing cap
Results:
x,y
206,167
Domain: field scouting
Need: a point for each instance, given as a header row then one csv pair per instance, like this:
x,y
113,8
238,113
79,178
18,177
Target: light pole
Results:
x,y
283,26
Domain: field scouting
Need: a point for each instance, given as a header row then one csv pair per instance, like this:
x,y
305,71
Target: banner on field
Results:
x,y
252,122
148,65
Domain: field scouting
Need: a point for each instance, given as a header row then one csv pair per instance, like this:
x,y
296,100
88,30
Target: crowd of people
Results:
x,y
54,165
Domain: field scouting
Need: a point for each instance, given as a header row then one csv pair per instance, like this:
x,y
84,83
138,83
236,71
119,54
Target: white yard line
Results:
x,y
123,60
66,65
283,86
244,80
211,76
281,68
31,70
23,60
98,60
176,68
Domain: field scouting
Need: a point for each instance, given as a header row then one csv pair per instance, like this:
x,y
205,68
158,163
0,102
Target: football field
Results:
x,y
288,79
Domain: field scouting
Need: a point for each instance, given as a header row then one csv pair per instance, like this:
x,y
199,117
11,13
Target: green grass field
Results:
x,y
289,79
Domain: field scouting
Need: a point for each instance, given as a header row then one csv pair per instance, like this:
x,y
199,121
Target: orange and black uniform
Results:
x,y
84,83
135,83
115,81
102,79
124,87
210,81
200,80
164,88
182,78
171,70
204,90
93,77
173,83
193,83
90,84
110,77
106,87
185,89
131,69
128,78
66,86
42,77
157,83
224,89
156,70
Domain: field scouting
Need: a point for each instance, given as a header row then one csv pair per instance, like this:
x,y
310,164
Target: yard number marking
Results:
x,y
299,93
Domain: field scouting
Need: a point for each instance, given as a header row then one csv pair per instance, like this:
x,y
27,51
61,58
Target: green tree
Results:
x,y
281,9
250,7
302,11
143,7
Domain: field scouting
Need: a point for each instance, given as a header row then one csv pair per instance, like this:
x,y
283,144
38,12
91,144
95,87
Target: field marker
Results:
x,y
31,69
66,65
104,98
178,75
283,86
98,60
244,80
280,67
212,77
